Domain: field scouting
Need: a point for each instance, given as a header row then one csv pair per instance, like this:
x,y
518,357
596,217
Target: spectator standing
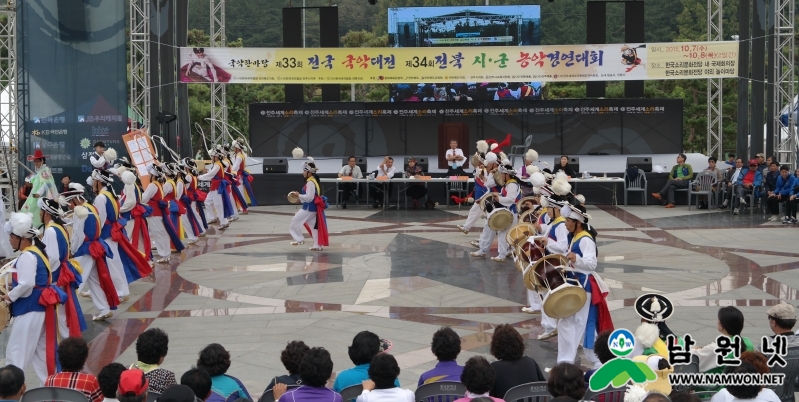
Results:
x,y
72,354
315,370
566,379
12,383
364,347
455,159
291,357
133,386
680,175
109,381
446,346
151,349
199,381
224,388
513,367
478,377
383,373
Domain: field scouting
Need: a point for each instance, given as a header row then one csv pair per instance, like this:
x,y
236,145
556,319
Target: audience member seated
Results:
x,y
565,167
291,357
783,191
133,386
72,354
680,175
683,397
566,379
12,383
513,367
151,349
416,191
749,181
749,392
730,178
793,199
383,373
730,324
216,360
602,351
108,378
364,347
349,170
711,168
781,320
446,346
199,381
656,397
178,393
478,377
770,192
315,369
377,191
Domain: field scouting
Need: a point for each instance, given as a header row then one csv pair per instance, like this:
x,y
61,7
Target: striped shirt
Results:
x,y
85,383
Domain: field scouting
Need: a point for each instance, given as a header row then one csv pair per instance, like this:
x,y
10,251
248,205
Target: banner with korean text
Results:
x,y
616,62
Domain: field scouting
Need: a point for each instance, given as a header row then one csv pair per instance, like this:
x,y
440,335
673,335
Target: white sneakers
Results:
x,y
475,243
547,335
477,254
462,229
529,310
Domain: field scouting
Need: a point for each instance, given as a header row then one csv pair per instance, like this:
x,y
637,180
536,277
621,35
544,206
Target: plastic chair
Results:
x,y
530,392
460,187
691,368
608,395
519,150
791,371
704,183
152,396
751,204
443,388
351,392
638,185
684,190
269,395
53,394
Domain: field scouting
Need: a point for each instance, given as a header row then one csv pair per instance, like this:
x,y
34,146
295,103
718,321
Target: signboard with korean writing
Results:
x,y
615,62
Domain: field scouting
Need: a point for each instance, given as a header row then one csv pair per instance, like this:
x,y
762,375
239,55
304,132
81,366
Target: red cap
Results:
x,y
752,162
133,383
36,155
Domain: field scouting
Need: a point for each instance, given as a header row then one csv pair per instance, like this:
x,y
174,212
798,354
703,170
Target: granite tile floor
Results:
x,y
403,274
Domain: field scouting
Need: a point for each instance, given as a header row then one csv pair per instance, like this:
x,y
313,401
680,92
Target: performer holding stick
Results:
x,y
313,210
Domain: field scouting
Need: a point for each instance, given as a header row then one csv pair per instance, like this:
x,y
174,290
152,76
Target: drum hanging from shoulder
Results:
x,y
531,280
293,197
500,218
564,297
527,253
518,234
523,205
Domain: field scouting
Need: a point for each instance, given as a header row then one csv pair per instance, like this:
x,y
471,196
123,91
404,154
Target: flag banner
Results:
x,y
615,62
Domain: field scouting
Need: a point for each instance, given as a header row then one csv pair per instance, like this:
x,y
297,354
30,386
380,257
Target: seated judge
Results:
x,y
349,170
377,191
416,190
455,159
564,166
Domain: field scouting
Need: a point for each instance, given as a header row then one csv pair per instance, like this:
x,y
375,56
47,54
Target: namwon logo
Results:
x,y
619,371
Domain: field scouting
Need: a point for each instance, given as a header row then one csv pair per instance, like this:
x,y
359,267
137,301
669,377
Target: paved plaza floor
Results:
x,y
403,274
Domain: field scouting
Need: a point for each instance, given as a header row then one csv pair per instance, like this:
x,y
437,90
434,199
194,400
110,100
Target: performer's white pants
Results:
x,y
233,203
63,330
210,212
474,214
217,208
117,270
550,324
571,333
27,344
159,236
187,226
300,218
243,191
487,238
196,213
534,299
92,280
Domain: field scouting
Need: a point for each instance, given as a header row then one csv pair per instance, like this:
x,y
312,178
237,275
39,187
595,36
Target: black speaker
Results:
x,y
574,162
360,162
276,165
641,162
421,162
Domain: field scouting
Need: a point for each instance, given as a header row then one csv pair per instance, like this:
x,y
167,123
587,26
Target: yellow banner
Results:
x,y
614,62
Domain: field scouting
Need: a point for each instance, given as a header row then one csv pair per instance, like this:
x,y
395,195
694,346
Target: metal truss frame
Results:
x,y
9,109
785,81
218,91
140,60
715,110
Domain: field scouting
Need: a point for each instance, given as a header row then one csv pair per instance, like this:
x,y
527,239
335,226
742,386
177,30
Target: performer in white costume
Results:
x,y
312,212
220,207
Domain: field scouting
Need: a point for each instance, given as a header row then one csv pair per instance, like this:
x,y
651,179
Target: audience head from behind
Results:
x,y
316,367
507,343
133,386
683,397
446,344
384,370
291,356
730,321
214,359
745,391
178,393
566,379
782,318
477,377
655,397
199,381
756,360
364,347
602,348
12,383
109,380
72,354
152,346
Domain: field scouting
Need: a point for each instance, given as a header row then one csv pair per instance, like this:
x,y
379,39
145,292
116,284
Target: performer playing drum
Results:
x,y
312,212
507,199
581,327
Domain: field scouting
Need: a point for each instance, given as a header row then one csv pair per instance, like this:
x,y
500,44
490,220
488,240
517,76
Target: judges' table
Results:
x,y
465,182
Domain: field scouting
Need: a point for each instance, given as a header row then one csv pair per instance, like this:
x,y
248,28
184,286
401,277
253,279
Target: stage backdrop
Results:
x,y
617,62
73,87
573,127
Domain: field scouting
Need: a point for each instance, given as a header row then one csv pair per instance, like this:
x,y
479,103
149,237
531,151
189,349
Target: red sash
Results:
x,y
65,278
135,255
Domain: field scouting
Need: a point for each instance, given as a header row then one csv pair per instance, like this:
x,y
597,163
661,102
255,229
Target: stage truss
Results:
x,y
9,106
784,50
218,92
140,60
715,133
